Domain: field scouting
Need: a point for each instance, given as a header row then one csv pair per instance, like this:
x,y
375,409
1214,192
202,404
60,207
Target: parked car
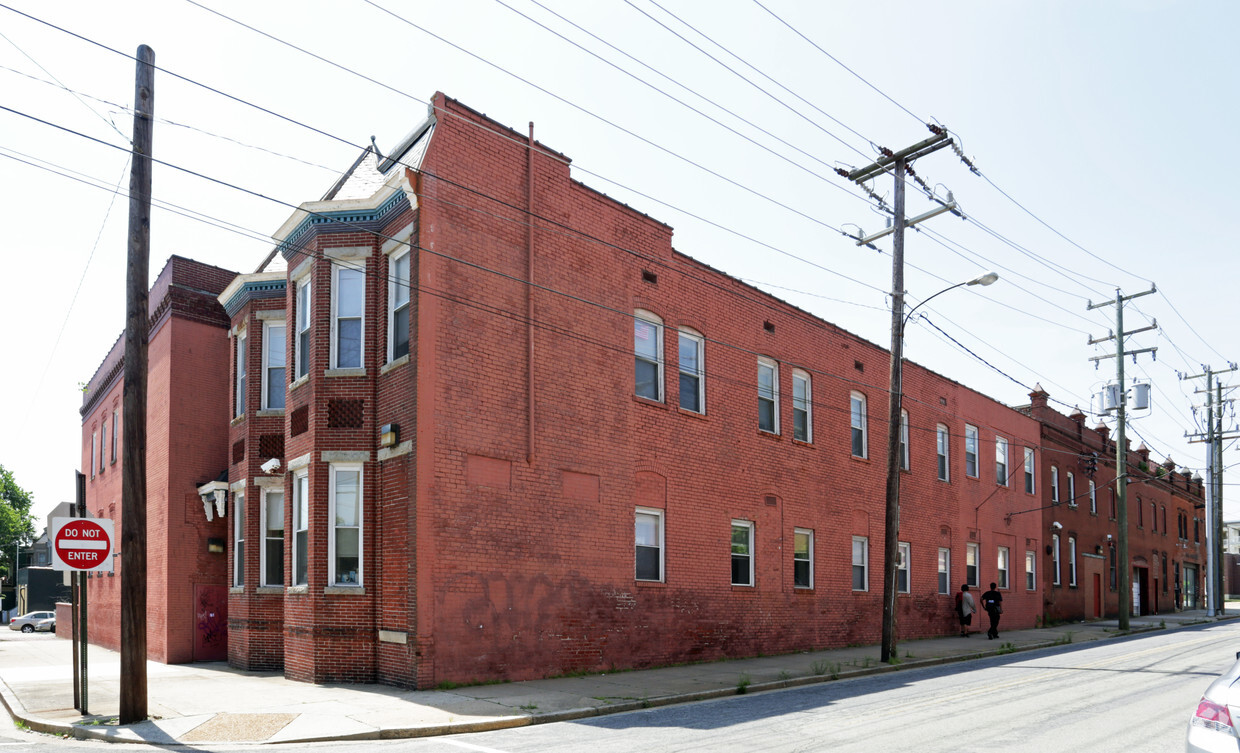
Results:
x,y
1211,728
32,621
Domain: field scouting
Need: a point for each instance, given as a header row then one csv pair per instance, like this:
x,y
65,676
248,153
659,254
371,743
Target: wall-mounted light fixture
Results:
x,y
389,435
215,546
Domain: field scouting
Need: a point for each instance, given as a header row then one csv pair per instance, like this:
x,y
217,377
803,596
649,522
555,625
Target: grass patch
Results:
x,y
1007,648
742,684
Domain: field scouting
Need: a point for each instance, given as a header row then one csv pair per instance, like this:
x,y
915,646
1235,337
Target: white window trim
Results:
x,y
1071,489
658,515
241,372
773,365
656,321
1001,451
335,334
945,558
1031,570
970,433
1072,561
391,301
1055,563
864,564
904,563
699,342
300,522
1003,568
304,301
238,527
748,525
973,548
807,380
94,435
1054,484
942,439
1093,498
267,325
115,433
262,523
333,469
103,442
904,448
806,532
864,427
1031,472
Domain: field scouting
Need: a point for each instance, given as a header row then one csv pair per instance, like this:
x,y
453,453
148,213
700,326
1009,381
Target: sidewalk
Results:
x,y
199,703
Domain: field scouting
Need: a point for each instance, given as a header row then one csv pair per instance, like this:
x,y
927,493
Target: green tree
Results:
x,y
16,522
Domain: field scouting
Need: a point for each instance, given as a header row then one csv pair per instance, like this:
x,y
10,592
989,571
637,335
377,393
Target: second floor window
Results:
x,y
857,418
904,465
1054,485
970,451
1071,489
802,407
302,356
648,355
1029,486
274,344
398,306
347,317
115,432
1001,461
1093,498
242,340
941,439
692,375
768,395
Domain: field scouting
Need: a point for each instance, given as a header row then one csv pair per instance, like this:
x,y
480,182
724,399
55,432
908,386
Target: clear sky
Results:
x,y
1109,123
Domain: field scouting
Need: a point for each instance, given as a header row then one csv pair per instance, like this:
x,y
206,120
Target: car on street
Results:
x,y
1211,728
34,621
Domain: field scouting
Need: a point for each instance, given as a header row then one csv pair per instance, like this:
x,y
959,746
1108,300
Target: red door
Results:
x,y
210,623
1097,596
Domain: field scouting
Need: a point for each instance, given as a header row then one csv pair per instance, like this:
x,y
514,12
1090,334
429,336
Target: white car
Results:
x,y
32,621
1211,729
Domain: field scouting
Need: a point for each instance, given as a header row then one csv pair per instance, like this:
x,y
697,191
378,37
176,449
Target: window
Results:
x,y
1072,561
274,343
344,499
348,299
648,541
768,395
857,412
1112,505
970,451
1071,489
942,448
115,433
902,565
802,410
1164,522
241,360
1153,511
1113,567
94,436
904,440
1002,564
103,438
1054,484
301,522
1031,564
803,558
1029,486
742,553
398,305
1140,514
273,537
860,563
692,381
648,355
1001,461
302,356
238,539
1093,498
970,565
1196,530
945,570
1055,559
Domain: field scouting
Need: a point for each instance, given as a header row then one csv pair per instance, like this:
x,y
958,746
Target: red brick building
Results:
x,y
187,435
480,421
1166,524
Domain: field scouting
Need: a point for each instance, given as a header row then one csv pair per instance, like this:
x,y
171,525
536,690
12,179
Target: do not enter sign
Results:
x,y
82,544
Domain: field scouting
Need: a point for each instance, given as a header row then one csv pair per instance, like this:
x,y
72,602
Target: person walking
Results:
x,y
992,602
965,607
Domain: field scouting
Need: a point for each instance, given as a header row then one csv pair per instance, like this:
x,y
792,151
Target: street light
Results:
x,y
894,425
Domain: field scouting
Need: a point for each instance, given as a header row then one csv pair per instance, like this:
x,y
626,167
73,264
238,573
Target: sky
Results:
x,y
1100,130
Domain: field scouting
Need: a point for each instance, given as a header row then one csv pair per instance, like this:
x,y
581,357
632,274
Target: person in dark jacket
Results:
x,y
992,602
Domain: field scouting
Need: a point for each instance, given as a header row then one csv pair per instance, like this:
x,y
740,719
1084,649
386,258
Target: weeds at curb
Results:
x,y
742,684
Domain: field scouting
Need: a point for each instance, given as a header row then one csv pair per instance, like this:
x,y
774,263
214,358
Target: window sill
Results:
x,y
344,591
278,413
236,589
297,590
237,420
691,413
807,444
298,382
337,373
647,401
770,435
269,590
650,583
392,365
858,458
803,590
736,588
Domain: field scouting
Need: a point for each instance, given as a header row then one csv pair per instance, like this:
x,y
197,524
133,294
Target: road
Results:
x,y
1123,695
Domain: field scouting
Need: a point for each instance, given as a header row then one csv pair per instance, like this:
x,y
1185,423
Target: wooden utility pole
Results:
x,y
133,470
1121,443
897,163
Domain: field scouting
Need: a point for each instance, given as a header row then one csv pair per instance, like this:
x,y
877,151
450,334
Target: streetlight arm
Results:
x,y
986,279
